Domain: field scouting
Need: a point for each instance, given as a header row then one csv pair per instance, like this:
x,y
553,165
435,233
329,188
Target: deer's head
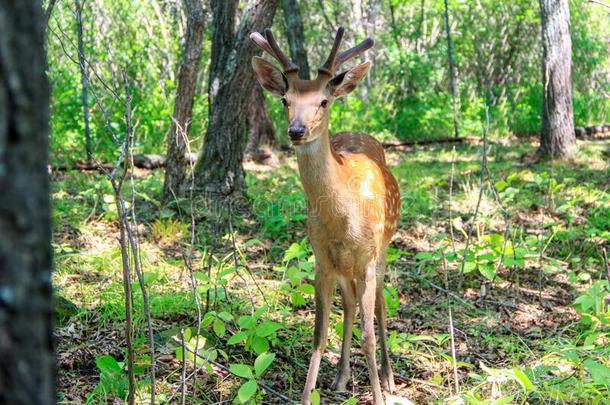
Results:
x,y
306,102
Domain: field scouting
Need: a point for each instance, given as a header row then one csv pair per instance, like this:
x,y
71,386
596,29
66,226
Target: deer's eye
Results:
x,y
324,103
285,102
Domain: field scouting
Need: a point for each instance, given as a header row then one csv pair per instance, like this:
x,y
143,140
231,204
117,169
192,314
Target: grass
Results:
x,y
531,324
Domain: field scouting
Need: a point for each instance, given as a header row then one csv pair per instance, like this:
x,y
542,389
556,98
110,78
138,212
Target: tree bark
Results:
x,y
452,84
224,13
219,172
296,38
27,370
176,164
261,135
557,137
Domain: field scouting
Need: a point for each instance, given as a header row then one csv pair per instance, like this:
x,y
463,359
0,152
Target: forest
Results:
x,y
192,212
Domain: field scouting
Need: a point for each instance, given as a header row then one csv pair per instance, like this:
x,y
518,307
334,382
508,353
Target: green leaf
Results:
x,y
307,289
253,242
295,251
488,271
267,328
297,299
315,397
108,364
219,328
259,344
237,338
600,374
187,335
247,390
241,370
200,276
261,363
179,353
523,380
246,322
225,316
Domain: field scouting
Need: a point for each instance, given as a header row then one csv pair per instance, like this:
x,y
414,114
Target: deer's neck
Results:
x,y
318,167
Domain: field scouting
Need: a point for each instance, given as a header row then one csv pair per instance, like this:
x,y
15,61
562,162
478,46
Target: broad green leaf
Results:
x,y
107,363
314,397
488,271
246,322
219,327
237,338
600,374
297,299
263,361
247,390
307,289
267,328
187,335
241,370
523,380
225,316
259,344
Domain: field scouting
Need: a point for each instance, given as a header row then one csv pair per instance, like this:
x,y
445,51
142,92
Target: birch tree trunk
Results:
x,y
176,164
557,137
27,361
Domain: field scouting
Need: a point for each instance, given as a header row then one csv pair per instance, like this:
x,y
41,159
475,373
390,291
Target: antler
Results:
x,y
269,45
334,61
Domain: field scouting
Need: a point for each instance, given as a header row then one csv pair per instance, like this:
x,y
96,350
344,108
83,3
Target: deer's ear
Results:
x,y
269,76
345,82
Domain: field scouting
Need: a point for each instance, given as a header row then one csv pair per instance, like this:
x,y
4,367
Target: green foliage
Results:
x,y
113,379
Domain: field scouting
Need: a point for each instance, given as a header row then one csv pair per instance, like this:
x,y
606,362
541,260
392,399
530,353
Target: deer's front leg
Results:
x,y
367,291
348,294
324,285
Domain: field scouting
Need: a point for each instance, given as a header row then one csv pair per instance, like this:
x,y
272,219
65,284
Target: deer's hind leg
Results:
x,y
385,374
366,291
348,295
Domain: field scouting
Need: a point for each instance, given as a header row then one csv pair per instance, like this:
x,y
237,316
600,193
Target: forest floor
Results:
x,y
529,301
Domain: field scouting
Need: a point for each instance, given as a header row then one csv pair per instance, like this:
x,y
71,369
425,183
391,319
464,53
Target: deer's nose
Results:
x,y
296,131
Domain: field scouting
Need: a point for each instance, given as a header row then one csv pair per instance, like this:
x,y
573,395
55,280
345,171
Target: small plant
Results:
x,y
250,387
297,266
113,379
256,334
197,344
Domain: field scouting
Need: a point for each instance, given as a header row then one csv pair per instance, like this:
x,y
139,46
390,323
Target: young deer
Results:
x,y
353,204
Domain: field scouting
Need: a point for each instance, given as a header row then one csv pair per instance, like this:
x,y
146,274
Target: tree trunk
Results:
x,y
261,135
452,84
224,13
219,172
557,134
296,38
27,371
175,170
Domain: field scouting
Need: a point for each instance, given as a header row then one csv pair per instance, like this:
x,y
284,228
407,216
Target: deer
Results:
x,y
353,205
